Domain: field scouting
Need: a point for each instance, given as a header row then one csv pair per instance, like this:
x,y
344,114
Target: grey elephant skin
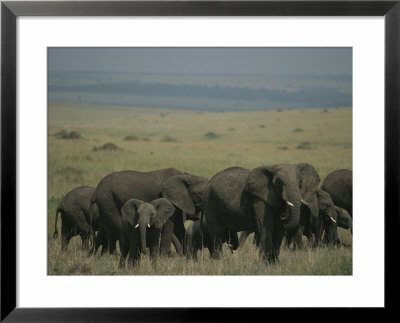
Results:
x,y
320,219
266,200
141,227
113,191
197,237
76,218
317,222
339,184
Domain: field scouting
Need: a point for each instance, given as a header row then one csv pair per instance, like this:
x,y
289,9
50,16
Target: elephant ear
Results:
x,y
197,185
164,210
259,183
181,189
312,205
129,211
308,179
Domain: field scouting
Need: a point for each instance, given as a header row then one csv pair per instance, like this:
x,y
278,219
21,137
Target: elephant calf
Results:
x,y
75,216
197,238
344,219
141,227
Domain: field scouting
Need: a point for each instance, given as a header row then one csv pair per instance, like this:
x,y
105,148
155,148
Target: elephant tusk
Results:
x,y
304,202
136,226
289,203
148,225
333,219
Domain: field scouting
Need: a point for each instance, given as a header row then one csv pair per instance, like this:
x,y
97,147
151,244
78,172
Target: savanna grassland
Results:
x,y
201,143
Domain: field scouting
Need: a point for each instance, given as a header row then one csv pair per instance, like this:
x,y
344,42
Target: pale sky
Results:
x,y
272,61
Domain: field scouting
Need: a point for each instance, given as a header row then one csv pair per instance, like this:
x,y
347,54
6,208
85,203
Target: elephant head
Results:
x,y
281,187
185,192
344,219
143,215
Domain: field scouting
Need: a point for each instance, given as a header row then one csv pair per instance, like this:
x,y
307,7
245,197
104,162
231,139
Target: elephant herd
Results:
x,y
148,210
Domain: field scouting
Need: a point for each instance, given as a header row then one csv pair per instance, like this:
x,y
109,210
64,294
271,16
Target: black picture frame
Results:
x,y
10,10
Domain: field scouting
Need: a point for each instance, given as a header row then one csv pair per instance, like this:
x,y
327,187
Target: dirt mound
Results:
x,y
108,147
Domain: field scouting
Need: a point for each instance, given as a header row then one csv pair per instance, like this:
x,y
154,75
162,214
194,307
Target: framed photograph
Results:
x,y
143,142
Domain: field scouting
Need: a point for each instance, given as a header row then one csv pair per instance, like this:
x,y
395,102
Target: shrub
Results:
x,y
304,145
131,137
211,135
64,134
168,138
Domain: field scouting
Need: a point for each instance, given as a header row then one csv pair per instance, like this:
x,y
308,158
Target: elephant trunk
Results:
x,y
143,228
292,214
331,229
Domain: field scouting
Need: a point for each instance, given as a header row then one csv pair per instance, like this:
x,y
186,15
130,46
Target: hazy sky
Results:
x,y
279,61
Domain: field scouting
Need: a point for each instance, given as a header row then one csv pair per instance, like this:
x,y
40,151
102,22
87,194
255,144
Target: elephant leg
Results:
x,y
256,239
124,246
178,247
179,232
100,239
277,239
267,246
194,249
112,243
66,235
166,237
233,240
298,239
288,240
154,238
215,243
134,249
188,245
318,232
336,239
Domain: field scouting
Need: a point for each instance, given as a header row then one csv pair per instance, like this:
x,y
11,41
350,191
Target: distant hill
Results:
x,y
210,92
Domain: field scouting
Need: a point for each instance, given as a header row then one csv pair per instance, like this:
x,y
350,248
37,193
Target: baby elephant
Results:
x,y
344,219
141,227
195,240
75,216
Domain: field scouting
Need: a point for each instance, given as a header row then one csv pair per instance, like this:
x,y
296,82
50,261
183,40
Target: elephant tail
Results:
x,y
202,228
55,234
91,224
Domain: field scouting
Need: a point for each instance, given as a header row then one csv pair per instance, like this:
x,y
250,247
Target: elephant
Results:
x,y
266,200
183,190
141,227
76,218
321,217
322,226
339,184
344,219
197,237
